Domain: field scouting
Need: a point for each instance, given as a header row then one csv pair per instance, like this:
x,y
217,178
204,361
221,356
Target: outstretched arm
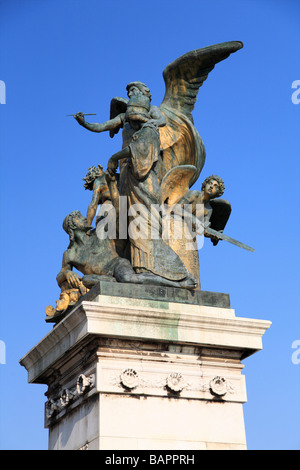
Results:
x,y
100,127
93,205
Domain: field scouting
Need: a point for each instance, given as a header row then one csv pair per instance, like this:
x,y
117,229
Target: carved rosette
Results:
x,y
129,379
175,382
218,386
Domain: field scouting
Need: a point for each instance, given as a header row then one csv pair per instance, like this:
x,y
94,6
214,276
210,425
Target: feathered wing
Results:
x,y
175,184
117,106
221,210
180,141
185,75
220,214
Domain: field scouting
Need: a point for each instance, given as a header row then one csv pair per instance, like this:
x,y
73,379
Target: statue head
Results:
x,y
138,108
214,185
93,173
134,88
75,221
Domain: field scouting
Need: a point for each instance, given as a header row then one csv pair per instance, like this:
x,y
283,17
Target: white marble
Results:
x,y
142,374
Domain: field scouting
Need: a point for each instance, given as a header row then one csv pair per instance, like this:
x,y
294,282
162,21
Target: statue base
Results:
x,y
145,367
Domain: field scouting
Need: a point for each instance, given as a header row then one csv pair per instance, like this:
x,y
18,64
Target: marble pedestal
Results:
x,y
136,367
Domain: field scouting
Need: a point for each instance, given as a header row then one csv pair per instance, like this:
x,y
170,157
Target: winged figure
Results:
x,y
162,156
175,191
180,141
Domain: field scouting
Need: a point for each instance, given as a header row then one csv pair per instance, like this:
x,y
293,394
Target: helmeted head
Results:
x,y
138,87
139,104
138,108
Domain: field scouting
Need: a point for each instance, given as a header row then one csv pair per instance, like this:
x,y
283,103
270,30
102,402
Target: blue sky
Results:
x,y
61,56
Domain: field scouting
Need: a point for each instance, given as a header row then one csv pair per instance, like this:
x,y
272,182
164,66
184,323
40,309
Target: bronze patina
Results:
x,y
161,158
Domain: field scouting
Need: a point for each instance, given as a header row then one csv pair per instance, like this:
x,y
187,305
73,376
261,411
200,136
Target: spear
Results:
x,y
85,114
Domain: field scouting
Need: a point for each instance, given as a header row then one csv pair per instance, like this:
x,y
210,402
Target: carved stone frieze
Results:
x,y
176,382
69,395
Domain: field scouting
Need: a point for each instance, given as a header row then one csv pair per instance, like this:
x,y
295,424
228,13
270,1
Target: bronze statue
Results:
x,y
98,260
95,181
216,211
161,158
181,143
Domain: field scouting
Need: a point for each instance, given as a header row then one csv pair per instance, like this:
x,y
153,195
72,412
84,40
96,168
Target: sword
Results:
x,y
222,236
87,114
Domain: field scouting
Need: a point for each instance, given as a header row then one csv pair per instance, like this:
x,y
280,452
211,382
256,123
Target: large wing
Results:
x,y
180,141
185,75
117,106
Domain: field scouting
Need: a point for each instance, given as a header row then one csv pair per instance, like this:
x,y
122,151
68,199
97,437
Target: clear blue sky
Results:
x,y
61,56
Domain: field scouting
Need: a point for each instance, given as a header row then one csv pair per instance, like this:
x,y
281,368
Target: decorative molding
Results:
x,y
198,325
83,384
175,382
129,379
69,396
219,386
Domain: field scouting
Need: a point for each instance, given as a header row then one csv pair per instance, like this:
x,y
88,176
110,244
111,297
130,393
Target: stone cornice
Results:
x,y
177,323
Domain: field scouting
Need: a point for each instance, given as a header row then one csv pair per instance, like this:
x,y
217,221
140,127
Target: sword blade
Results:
x,y
222,236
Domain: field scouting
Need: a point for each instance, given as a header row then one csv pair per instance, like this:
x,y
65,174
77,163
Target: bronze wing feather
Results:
x,y
185,75
180,141
220,215
117,106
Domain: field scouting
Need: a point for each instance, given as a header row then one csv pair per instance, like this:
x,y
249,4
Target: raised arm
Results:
x,y
93,205
114,192
101,194
100,127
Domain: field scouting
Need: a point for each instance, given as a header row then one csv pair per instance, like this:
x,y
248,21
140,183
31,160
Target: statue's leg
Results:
x,y
150,278
89,280
124,272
